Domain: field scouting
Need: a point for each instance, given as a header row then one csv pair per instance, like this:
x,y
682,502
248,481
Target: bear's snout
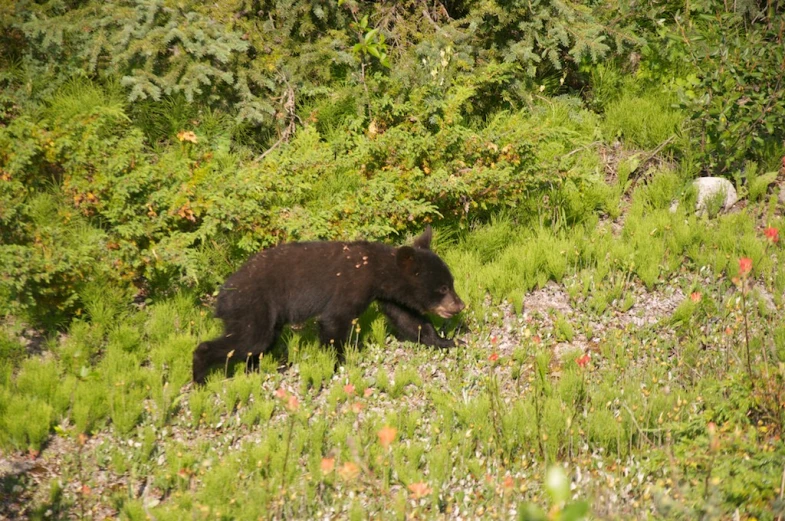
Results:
x,y
450,305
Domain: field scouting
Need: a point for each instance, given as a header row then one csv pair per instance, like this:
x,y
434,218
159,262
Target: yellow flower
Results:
x,y
187,135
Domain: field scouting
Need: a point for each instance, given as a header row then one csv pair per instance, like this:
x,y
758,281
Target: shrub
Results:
x,y
724,62
25,422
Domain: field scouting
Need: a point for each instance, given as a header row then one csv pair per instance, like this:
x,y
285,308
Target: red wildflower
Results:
x,y
387,435
328,464
419,490
349,471
493,357
696,296
772,234
292,403
714,442
584,360
745,265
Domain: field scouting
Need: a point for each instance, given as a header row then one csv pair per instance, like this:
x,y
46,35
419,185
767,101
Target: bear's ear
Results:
x,y
405,258
424,240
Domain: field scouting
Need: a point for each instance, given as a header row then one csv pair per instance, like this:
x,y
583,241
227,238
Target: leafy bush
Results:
x,y
725,63
230,58
128,215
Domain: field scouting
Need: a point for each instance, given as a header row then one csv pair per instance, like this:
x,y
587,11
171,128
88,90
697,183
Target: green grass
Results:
x,y
644,119
474,436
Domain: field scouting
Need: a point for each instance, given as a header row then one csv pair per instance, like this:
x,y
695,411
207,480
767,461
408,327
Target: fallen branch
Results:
x,y
289,107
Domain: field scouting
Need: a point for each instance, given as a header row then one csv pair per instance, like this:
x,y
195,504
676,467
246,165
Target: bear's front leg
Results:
x,y
334,330
410,325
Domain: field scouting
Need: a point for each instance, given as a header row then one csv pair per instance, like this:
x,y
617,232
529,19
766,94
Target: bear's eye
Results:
x,y
443,290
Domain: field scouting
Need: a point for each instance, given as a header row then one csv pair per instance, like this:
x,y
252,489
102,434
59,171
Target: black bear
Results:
x,y
334,282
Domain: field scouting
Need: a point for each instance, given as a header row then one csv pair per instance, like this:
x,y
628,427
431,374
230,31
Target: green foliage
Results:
x,y
143,172
147,147
642,119
90,408
316,363
725,62
372,42
564,330
229,58
201,405
25,422
557,484
126,407
758,184
404,376
187,213
649,389
11,351
539,36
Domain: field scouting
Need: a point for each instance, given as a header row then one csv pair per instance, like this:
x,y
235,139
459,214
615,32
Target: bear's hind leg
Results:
x,y
207,354
244,343
260,347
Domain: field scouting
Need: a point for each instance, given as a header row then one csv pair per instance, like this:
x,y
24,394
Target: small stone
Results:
x,y
709,187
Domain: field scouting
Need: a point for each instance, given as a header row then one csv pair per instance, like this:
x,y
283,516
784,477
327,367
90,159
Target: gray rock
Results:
x,y
709,187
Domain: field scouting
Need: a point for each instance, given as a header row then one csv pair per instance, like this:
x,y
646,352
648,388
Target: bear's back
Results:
x,y
298,280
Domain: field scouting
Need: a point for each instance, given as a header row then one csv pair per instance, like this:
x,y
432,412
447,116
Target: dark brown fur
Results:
x,y
334,282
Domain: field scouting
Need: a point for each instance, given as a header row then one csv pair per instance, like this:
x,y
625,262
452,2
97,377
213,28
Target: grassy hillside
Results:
x,y
631,352
624,356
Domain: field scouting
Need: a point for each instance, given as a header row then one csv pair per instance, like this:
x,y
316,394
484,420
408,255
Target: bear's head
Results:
x,y
430,278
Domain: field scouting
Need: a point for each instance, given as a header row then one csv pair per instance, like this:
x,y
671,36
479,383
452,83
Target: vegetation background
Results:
x,y
624,358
